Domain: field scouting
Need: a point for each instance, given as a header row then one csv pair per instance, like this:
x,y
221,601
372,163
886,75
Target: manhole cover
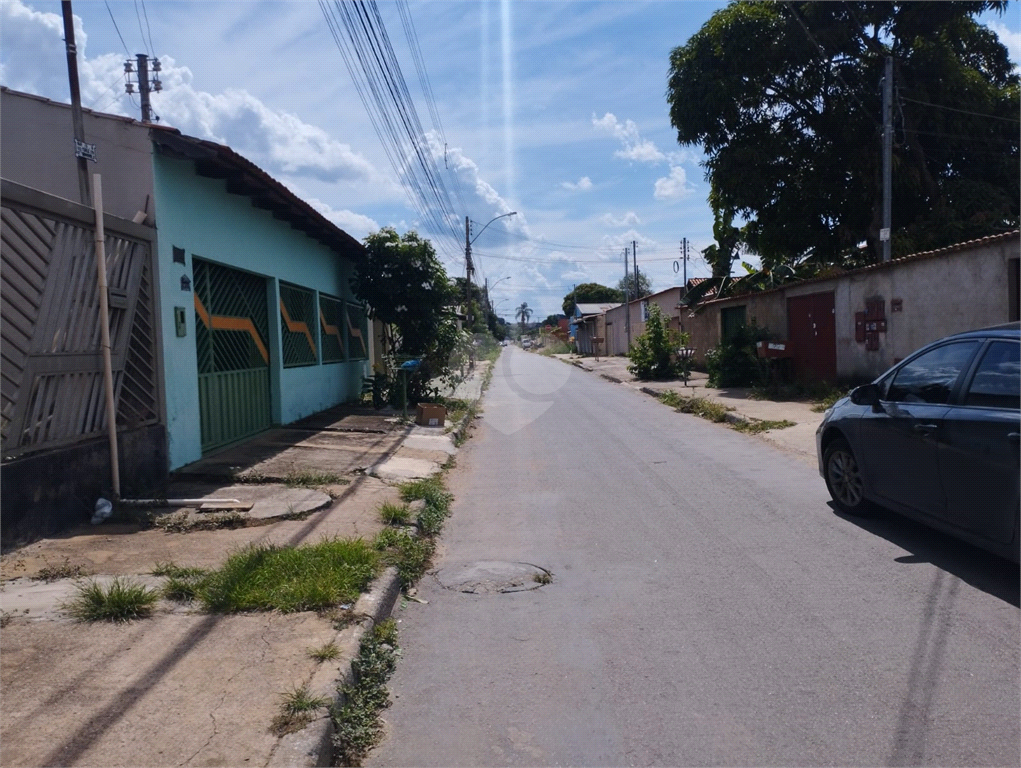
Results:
x,y
493,576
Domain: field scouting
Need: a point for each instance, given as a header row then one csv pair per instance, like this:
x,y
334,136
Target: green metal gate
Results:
x,y
232,340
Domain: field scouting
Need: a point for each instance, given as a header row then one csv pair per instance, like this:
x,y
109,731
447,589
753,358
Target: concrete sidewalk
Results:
x,y
187,688
798,440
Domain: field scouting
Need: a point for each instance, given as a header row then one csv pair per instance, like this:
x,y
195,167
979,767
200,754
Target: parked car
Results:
x,y
526,344
936,438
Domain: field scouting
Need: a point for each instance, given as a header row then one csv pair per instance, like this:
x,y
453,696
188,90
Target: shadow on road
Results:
x,y
982,570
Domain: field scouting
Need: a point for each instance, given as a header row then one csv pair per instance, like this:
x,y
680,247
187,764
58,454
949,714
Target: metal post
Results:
x,y
884,233
76,100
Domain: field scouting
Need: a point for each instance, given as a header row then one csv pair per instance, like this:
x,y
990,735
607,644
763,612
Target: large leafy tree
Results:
x,y
407,289
785,100
636,289
590,293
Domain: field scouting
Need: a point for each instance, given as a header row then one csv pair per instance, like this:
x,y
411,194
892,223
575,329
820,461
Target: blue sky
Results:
x,y
556,110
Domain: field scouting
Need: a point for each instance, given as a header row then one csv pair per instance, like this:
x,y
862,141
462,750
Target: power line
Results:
x,y
962,111
140,31
117,28
152,47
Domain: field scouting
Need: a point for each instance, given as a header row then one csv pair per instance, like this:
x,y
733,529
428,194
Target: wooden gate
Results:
x,y
232,340
812,331
51,384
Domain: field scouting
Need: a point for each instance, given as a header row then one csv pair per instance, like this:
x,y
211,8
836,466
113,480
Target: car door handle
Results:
x,y
925,427
1014,437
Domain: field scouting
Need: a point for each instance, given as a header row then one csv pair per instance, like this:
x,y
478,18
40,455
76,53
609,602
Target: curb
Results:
x,y
313,745
731,417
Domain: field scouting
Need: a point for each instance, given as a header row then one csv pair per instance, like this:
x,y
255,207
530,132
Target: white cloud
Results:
x,y
583,184
635,147
643,152
355,224
629,219
672,187
1011,39
278,141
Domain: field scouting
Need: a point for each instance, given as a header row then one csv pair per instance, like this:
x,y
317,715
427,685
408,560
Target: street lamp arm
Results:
x,y
512,213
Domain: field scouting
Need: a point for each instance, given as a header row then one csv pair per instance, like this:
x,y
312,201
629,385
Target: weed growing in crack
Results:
x,y
297,709
121,600
357,723
313,479
326,652
395,514
410,555
543,578
170,569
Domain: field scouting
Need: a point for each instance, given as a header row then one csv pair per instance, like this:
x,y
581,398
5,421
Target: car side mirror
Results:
x,y
866,394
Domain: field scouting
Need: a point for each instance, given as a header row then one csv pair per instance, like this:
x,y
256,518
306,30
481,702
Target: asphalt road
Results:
x,y
708,606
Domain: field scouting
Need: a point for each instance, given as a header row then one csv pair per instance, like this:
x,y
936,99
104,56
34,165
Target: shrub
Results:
x,y
653,355
734,362
122,600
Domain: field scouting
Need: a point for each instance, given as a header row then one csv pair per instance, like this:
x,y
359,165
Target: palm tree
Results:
x,y
523,313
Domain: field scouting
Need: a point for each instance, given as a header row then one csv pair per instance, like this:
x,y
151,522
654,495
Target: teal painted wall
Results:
x,y
200,216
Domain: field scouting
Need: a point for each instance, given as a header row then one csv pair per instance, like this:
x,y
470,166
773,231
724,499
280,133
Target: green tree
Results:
x,y
523,313
590,293
644,284
653,355
784,99
407,290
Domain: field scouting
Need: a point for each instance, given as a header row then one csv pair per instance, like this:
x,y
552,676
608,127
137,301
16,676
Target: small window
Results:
x,y
997,382
930,378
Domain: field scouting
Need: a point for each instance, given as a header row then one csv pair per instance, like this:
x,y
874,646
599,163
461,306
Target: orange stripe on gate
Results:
x,y
297,326
330,330
224,323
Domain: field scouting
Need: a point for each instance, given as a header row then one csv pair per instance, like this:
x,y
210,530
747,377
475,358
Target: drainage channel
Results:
x,y
488,577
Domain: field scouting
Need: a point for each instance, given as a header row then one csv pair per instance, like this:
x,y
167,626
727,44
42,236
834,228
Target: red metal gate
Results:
x,y
812,331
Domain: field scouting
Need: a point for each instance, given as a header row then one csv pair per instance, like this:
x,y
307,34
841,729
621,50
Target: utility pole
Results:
x,y
634,258
76,105
469,269
684,258
884,233
145,85
627,302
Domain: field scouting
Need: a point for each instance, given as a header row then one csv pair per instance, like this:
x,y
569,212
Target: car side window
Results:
x,y
997,381
930,377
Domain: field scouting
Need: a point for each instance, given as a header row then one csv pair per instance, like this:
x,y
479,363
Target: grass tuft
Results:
x,y
395,514
310,577
297,709
357,723
313,479
430,489
121,600
172,570
410,555
326,652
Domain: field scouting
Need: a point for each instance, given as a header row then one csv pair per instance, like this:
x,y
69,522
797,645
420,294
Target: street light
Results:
x,y
468,240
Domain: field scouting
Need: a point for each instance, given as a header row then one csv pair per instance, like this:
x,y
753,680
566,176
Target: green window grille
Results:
x,y
357,332
298,326
331,328
232,324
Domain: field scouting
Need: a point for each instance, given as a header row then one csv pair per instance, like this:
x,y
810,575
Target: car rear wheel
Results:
x,y
844,479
